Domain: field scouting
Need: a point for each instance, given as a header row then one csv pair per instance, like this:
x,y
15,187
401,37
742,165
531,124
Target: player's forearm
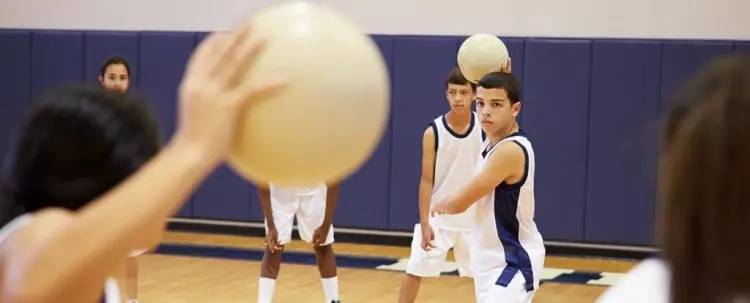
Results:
x,y
144,201
264,195
508,158
130,216
464,198
425,197
332,198
453,205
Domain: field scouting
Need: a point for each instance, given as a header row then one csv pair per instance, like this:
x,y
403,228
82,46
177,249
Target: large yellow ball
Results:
x,y
331,116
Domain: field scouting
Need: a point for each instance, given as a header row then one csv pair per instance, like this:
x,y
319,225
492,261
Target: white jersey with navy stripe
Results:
x,y
507,241
455,161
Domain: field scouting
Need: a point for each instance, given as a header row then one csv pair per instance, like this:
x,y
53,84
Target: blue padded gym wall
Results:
x,y
15,82
162,58
592,108
556,89
224,195
56,58
622,141
364,196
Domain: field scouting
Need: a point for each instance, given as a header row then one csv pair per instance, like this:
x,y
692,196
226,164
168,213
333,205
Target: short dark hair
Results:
x,y
503,80
457,78
113,61
703,185
77,143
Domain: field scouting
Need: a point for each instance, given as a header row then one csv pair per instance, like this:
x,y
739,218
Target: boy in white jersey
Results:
x,y
450,146
507,249
313,207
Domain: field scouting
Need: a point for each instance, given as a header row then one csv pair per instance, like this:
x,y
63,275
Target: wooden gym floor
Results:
x,y
176,279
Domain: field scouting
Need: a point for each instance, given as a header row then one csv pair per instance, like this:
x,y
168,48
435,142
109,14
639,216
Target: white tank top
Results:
x,y
506,237
455,162
111,290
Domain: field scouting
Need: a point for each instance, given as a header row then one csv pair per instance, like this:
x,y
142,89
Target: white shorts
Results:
x,y
424,263
309,211
487,290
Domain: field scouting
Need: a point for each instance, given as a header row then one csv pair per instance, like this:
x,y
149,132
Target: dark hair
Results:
x,y
704,175
457,78
506,81
77,143
112,61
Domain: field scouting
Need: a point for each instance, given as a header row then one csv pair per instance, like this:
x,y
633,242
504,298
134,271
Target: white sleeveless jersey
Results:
x,y
506,238
111,290
455,162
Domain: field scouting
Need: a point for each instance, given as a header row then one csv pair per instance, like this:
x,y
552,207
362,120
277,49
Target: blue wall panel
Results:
x,y
224,195
56,59
742,48
162,59
555,116
364,195
15,82
623,142
682,59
